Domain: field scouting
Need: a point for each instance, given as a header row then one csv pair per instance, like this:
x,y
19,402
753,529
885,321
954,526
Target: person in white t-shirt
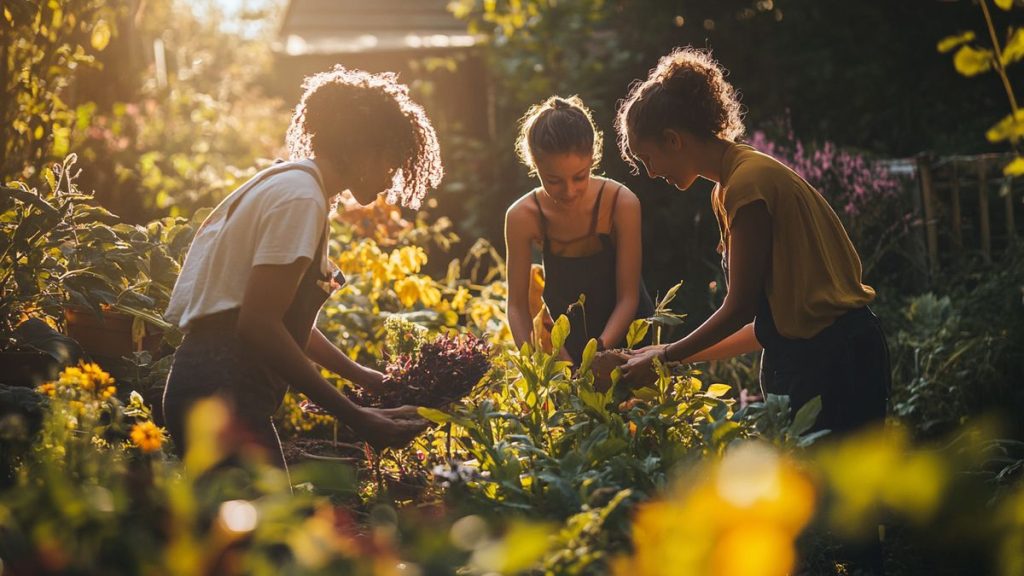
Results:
x,y
257,272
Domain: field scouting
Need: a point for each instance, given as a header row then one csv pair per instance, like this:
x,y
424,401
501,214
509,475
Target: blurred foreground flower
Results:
x,y
741,519
879,470
147,436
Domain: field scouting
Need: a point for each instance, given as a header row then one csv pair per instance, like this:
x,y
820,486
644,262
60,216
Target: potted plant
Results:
x,y
119,282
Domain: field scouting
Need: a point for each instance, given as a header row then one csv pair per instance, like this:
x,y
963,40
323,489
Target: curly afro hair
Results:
x,y
558,126
343,110
686,91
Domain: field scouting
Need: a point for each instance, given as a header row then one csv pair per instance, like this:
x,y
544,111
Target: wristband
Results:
x,y
664,355
600,344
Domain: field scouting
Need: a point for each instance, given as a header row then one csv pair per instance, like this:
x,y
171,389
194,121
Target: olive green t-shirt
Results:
x,y
815,273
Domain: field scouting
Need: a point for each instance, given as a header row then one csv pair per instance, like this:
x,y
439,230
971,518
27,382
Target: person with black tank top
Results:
x,y
257,272
587,230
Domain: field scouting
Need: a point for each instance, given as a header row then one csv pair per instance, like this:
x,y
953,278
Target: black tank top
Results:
x,y
566,277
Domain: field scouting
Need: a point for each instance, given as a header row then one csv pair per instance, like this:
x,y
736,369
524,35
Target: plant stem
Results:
x,y
999,59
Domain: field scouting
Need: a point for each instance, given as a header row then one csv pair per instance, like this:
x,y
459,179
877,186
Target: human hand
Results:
x,y
639,369
386,428
372,380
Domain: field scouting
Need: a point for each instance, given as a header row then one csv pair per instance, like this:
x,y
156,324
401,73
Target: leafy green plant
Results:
x,y
34,226
542,442
973,58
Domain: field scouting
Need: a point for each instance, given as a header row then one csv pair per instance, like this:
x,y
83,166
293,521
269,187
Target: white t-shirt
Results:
x,y
277,221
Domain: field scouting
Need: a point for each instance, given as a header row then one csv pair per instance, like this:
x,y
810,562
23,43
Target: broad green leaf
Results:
x,y
559,333
724,431
435,416
948,43
100,35
717,390
806,416
637,330
970,61
1009,128
588,355
1014,49
1004,4
1015,167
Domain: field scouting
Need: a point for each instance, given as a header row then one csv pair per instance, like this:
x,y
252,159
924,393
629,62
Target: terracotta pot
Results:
x,y
109,336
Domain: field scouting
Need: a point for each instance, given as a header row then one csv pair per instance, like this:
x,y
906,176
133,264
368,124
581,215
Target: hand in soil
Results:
x,y
372,381
382,430
603,365
638,370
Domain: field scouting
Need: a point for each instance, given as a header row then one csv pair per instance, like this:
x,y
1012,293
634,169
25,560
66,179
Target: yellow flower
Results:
x,y
460,299
408,259
417,288
96,377
147,436
50,389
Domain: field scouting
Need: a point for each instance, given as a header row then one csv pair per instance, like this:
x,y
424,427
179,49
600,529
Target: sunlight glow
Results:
x,y
238,516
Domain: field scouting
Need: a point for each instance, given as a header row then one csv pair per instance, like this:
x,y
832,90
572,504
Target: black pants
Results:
x,y
215,364
847,364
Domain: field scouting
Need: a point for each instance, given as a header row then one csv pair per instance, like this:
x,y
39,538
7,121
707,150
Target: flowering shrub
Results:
x,y
868,197
386,283
84,402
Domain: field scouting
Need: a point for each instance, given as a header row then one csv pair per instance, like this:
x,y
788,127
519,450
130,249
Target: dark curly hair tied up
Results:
x,y
686,91
344,110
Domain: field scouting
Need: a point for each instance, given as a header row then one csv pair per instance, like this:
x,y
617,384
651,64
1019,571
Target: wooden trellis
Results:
x,y
958,206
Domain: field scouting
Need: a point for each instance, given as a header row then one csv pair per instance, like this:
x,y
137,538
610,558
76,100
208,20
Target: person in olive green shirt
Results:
x,y
793,276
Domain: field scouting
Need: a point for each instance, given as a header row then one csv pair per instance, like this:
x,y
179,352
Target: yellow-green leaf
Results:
x,y
1015,167
637,330
717,390
559,333
970,61
100,35
1004,4
1009,128
435,416
1014,49
948,43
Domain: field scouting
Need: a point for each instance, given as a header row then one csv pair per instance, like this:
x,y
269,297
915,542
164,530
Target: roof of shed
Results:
x,y
350,26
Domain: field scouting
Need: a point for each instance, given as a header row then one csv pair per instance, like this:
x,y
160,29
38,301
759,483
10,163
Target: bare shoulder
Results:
x,y
522,209
624,197
522,216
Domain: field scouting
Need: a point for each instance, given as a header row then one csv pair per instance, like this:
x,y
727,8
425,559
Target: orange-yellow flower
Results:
x,y
147,436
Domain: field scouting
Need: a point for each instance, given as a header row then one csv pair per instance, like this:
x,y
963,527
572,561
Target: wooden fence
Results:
x,y
968,207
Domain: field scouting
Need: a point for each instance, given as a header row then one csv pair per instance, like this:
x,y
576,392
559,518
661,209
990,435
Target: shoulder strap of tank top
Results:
x,y
543,218
615,202
597,209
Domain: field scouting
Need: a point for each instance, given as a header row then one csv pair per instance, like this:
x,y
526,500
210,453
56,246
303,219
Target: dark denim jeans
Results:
x,y
214,363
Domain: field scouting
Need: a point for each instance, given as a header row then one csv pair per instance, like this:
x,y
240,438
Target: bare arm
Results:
x,y
749,263
742,341
628,263
517,272
325,353
268,294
